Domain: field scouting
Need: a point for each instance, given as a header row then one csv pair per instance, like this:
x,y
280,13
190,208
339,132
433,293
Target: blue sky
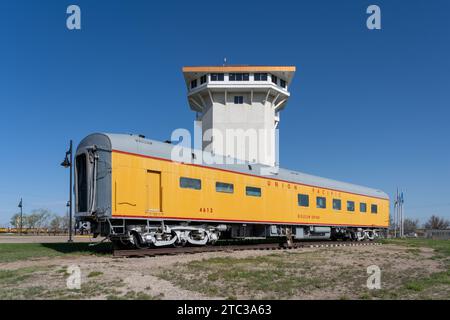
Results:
x,y
367,107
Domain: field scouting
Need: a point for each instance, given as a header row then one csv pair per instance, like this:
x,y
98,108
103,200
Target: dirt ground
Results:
x,y
307,273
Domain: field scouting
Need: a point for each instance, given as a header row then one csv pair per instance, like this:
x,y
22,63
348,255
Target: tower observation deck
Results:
x,y
238,108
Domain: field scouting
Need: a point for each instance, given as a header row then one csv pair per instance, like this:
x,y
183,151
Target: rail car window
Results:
x,y
362,207
82,187
374,208
189,183
321,202
350,206
224,187
337,204
253,191
303,200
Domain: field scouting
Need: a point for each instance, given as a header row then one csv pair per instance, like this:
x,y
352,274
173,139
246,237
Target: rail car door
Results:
x,y
154,195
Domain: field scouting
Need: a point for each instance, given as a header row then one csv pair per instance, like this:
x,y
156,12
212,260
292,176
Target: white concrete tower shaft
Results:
x,y
238,108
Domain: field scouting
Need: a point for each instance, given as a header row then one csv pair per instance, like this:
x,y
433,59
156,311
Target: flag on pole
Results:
x,y
20,203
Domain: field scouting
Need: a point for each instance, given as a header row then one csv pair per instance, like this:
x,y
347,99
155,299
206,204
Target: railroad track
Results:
x,y
229,248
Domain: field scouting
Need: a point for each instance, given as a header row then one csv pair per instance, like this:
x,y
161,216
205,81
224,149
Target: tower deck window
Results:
x,y
260,76
216,76
202,79
274,79
282,83
193,84
239,77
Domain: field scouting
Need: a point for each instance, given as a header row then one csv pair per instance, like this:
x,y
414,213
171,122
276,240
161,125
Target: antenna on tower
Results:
x,y
224,61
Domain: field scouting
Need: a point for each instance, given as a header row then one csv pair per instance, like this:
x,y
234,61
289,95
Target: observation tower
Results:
x,y
238,108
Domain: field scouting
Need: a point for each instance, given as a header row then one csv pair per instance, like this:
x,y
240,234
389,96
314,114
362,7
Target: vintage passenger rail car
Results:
x,y
131,191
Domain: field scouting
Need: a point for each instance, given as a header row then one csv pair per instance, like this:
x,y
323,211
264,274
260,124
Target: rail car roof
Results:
x,y
135,144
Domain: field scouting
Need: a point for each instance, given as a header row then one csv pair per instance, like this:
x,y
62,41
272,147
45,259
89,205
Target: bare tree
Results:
x,y
410,225
65,223
58,223
31,221
44,216
436,222
39,219
55,224
15,220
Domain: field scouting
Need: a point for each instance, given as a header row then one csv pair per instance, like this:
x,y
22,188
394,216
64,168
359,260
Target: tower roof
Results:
x,y
191,72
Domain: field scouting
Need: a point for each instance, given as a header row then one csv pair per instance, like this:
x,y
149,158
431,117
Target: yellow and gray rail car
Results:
x,y
135,192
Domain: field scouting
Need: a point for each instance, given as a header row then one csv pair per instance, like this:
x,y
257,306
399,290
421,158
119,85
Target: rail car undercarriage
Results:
x,y
141,234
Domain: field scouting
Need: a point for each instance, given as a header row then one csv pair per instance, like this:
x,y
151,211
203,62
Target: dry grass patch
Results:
x,y
333,273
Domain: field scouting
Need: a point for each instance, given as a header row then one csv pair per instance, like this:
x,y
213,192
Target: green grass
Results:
x,y
94,274
435,279
442,247
12,277
438,281
434,286
26,293
12,281
12,290
132,295
21,251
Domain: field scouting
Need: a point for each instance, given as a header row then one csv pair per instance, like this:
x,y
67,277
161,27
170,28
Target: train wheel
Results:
x,y
137,241
179,244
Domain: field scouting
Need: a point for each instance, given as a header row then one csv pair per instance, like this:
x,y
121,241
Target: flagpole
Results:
x,y
397,226
400,223
396,215
400,215
393,215
400,218
21,216
403,228
403,217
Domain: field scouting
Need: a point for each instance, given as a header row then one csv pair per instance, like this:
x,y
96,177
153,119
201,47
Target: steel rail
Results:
x,y
153,252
